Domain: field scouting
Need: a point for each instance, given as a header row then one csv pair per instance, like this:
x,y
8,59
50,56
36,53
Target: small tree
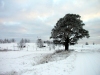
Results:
x,y
93,43
21,44
0,41
13,40
86,43
39,43
69,29
48,42
27,41
5,40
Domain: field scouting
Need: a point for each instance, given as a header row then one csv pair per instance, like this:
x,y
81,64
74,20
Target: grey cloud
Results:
x,y
32,18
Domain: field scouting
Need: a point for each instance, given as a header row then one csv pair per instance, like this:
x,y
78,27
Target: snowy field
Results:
x,y
80,60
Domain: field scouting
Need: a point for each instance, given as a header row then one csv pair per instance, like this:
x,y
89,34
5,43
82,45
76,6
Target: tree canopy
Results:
x,y
69,29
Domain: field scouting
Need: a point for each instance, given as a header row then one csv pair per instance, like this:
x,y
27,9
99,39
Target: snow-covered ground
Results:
x,y
80,60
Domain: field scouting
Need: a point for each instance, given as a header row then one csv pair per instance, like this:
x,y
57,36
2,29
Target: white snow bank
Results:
x,y
15,61
77,63
9,46
62,67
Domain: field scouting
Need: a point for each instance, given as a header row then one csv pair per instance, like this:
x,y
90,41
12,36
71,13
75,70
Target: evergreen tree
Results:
x,y
69,29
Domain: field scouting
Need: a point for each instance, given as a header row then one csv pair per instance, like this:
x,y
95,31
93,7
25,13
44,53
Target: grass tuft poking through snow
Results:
x,y
56,56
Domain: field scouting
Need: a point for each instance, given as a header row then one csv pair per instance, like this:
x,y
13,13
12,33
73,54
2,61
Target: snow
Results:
x,y
54,68
75,64
87,64
80,60
8,46
19,60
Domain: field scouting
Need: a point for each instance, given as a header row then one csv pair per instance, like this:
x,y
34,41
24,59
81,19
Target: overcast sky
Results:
x,y
35,18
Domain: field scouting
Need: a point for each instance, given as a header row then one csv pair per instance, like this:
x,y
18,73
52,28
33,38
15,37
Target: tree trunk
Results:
x,y
67,44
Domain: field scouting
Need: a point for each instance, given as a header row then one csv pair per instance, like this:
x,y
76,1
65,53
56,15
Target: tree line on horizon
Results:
x,y
14,41
7,41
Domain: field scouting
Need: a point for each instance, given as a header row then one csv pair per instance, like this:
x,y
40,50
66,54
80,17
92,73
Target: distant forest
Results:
x,y
13,40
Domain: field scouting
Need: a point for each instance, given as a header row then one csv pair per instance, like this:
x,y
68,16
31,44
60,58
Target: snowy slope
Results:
x,y
83,60
62,67
19,60
87,63
78,63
